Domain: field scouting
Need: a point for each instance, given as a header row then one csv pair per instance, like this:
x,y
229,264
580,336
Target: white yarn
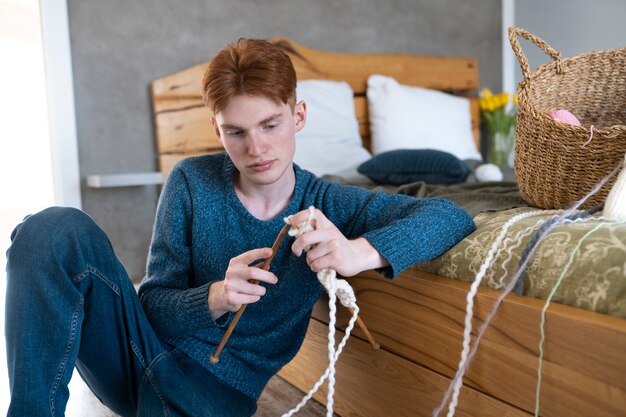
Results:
x,y
337,288
511,243
455,387
466,355
615,205
508,245
488,172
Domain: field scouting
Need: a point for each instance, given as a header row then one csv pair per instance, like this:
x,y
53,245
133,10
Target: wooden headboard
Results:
x,y
182,122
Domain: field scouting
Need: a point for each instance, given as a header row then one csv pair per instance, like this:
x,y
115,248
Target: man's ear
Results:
x,y
299,113
217,129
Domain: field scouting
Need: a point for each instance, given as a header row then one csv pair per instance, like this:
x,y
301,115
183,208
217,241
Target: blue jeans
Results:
x,y
70,303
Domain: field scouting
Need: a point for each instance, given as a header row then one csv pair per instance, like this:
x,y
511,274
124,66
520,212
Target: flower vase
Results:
x,y
501,147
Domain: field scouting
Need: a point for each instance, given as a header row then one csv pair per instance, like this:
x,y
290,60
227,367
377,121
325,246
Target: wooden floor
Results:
x,y
280,396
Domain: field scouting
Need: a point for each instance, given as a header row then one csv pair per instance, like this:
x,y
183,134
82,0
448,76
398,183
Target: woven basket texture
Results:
x,y
556,164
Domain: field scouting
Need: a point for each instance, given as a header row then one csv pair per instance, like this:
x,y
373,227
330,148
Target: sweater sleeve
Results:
x,y
404,230
173,308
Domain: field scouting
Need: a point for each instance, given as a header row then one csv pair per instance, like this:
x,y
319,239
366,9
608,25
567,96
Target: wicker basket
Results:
x,y
556,164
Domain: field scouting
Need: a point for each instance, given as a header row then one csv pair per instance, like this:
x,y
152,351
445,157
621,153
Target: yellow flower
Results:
x,y
499,119
505,99
482,103
497,101
491,102
495,112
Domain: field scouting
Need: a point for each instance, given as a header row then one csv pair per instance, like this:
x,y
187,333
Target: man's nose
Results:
x,y
256,144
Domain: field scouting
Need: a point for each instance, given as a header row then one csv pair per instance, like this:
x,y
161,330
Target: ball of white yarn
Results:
x,y
488,172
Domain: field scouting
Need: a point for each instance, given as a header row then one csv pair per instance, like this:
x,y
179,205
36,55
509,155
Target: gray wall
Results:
x,y
583,26
119,47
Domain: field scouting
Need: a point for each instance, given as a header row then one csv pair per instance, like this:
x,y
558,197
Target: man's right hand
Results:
x,y
238,287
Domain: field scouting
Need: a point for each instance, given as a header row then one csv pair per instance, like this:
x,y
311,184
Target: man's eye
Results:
x,y
271,126
234,133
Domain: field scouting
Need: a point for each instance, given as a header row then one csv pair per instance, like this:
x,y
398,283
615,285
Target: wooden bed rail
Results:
x,y
419,320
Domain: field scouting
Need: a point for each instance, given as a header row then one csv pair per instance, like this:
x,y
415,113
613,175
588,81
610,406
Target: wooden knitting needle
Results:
x,y
373,343
215,357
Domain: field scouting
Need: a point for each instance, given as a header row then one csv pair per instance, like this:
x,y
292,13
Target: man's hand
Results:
x,y
237,289
327,247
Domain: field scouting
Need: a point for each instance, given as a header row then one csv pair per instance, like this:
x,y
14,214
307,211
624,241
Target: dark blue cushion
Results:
x,y
403,166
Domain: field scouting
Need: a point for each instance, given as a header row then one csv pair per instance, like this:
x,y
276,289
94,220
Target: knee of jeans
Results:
x,y
54,227
51,221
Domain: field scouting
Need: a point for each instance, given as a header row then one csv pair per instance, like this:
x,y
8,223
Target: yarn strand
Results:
x,y
545,309
332,306
337,289
455,386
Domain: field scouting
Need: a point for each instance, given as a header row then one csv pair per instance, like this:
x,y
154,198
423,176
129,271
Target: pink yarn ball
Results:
x,y
565,117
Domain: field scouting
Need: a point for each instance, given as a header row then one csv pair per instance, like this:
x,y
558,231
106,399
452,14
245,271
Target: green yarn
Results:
x,y
547,304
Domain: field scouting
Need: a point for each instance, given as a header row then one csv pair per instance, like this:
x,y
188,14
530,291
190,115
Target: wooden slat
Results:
x,y
475,110
163,104
167,161
437,72
380,384
187,130
421,318
362,115
180,86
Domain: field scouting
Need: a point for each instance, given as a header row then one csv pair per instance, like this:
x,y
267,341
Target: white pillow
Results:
x,y
329,143
405,117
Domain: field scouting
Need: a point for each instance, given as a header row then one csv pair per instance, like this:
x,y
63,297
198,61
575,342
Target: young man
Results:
x,y
70,302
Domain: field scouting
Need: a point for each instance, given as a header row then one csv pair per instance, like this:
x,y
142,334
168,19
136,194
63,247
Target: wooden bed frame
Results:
x,y
419,317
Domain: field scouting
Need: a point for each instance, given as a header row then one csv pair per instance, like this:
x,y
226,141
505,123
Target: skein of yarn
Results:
x,y
564,116
615,205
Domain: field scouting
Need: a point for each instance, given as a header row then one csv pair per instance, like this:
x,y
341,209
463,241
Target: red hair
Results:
x,y
249,67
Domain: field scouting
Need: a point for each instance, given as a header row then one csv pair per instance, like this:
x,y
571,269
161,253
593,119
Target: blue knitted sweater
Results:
x,y
201,224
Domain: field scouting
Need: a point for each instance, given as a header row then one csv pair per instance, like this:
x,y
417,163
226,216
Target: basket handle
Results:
x,y
523,61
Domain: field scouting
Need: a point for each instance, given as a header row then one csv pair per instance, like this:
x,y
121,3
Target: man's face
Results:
x,y
259,136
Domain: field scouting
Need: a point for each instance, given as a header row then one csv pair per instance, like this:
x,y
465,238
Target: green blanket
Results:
x,y
474,198
595,280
